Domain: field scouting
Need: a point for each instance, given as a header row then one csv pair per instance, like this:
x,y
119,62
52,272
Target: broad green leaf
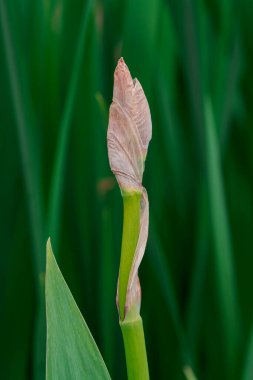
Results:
x,y
71,351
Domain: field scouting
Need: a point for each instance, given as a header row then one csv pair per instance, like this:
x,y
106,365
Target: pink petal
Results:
x,y
129,130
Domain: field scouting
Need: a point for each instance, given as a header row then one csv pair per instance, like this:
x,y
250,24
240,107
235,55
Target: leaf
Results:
x,y
61,150
248,365
71,350
224,260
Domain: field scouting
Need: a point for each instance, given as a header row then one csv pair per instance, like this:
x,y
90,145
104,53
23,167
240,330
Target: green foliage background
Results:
x,y
194,60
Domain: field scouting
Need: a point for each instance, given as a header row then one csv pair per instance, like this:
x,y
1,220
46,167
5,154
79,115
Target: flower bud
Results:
x,y
128,136
129,130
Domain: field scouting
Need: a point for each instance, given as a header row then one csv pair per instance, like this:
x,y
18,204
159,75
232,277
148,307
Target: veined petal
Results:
x,y
129,130
141,114
124,149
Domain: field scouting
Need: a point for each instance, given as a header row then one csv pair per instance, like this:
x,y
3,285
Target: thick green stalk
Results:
x,y
131,229
131,323
135,349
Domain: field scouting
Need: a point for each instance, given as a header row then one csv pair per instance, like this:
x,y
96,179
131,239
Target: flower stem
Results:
x,y
135,349
130,321
131,229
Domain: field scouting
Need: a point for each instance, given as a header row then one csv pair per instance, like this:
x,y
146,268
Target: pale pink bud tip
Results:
x,y
129,130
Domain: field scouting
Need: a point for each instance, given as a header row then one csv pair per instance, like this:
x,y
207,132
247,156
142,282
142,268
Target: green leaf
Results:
x,y
61,151
71,351
248,365
224,260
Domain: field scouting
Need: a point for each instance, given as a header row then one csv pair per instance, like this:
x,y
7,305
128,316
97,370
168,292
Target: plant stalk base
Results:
x,y
135,349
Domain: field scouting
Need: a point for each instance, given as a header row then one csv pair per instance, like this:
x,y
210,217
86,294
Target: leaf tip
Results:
x,y
49,252
49,246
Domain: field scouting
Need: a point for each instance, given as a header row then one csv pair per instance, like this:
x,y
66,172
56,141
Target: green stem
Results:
x,y
131,229
135,349
131,324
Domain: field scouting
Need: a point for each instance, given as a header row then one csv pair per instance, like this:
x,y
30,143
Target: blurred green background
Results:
x,y
194,60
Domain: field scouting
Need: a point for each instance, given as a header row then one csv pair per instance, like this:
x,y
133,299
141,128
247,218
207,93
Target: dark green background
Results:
x,y
194,60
